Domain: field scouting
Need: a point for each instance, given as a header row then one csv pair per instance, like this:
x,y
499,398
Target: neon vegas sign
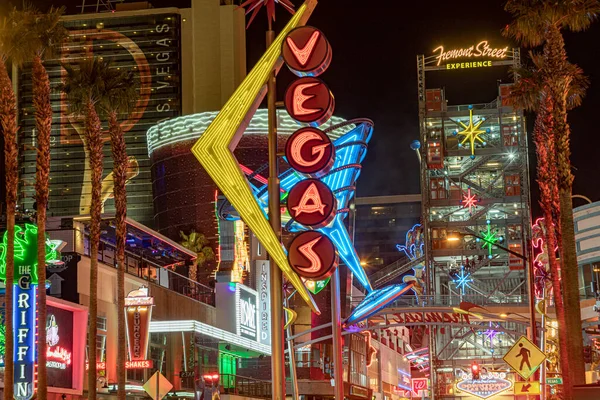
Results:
x,y
58,358
481,49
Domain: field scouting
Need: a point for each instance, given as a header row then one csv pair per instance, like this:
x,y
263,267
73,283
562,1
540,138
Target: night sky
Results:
x,y
373,75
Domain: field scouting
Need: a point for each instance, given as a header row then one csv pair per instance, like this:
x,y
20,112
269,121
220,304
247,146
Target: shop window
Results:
x,y
512,184
438,188
509,136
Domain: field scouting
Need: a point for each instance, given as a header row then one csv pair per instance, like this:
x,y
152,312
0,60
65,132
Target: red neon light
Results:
x,y
310,202
303,54
299,141
308,252
210,377
258,177
300,98
138,364
59,354
371,351
100,365
469,200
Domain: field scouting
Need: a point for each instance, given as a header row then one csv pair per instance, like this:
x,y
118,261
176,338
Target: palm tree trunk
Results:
x,y
559,85
544,137
120,163
94,146
8,119
43,123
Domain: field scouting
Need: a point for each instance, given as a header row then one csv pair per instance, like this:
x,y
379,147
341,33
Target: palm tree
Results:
x,y
46,35
117,92
82,96
541,22
14,45
531,94
198,243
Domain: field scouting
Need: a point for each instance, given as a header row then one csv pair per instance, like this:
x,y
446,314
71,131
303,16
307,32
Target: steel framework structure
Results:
x,y
474,184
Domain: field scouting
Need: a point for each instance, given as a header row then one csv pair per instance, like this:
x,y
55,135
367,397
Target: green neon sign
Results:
x,y
26,253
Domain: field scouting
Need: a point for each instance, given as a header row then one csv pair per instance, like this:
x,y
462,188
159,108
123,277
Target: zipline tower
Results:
x,y
474,184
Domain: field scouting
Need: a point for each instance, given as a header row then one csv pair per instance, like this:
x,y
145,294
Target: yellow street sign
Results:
x,y
524,357
157,386
527,388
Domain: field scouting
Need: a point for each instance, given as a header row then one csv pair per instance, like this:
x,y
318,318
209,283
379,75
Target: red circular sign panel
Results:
x,y
306,51
311,203
312,255
309,100
310,151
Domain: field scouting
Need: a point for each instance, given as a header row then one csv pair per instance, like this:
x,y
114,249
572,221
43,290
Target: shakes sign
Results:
x,y
247,312
138,312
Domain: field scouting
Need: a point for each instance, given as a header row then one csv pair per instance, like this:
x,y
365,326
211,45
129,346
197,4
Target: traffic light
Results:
x,y
475,370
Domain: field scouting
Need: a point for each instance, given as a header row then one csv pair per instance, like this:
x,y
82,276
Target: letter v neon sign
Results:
x,y
303,54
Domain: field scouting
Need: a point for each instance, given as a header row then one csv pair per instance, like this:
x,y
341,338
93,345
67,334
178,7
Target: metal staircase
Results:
x,y
392,271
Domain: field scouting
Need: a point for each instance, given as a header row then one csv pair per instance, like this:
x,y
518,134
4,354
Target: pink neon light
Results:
x,y
303,54
311,194
258,177
308,252
300,98
300,141
469,200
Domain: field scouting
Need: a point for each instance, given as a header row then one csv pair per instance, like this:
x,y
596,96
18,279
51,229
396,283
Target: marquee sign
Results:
x,y
306,51
24,320
489,384
309,100
310,151
246,312
478,51
311,203
138,313
312,255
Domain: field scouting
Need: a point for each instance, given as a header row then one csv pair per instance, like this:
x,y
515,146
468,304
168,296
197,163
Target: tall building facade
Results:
x,y
169,49
475,200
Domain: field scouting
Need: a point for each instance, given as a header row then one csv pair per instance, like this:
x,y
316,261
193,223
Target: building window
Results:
x,y
101,323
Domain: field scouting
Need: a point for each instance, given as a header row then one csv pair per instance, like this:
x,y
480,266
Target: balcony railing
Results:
x,y
454,301
244,386
159,275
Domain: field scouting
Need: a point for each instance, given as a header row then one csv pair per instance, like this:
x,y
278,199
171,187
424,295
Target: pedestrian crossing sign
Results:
x,y
524,357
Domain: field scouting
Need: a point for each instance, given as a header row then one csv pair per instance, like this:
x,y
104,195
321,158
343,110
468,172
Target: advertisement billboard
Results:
x,y
246,312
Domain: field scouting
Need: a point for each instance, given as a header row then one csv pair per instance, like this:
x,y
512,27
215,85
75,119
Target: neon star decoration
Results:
x,y
214,149
472,133
462,280
469,201
489,238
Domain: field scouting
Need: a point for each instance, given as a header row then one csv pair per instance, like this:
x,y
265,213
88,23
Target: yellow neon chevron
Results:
x,y
215,148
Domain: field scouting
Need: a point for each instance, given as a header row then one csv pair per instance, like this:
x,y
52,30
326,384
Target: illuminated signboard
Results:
x,y
310,151
309,100
306,51
420,387
24,320
246,312
481,50
311,203
312,255
263,276
138,313
59,353
489,384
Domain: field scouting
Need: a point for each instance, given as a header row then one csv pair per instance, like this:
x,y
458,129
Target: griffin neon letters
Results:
x,y
310,152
